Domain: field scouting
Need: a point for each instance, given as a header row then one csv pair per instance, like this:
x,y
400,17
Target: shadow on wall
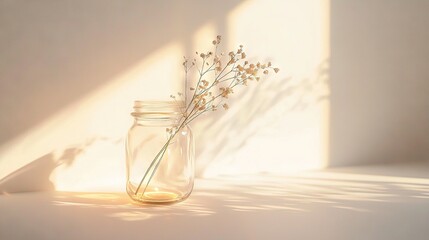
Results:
x,y
261,106
53,54
35,176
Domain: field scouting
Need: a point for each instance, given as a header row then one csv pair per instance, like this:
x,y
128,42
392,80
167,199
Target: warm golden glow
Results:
x,y
160,195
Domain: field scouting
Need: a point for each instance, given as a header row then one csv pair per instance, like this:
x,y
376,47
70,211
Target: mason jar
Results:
x,y
159,153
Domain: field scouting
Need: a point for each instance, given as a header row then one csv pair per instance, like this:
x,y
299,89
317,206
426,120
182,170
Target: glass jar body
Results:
x,y
160,163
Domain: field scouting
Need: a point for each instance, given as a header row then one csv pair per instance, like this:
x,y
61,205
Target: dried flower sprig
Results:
x,y
210,93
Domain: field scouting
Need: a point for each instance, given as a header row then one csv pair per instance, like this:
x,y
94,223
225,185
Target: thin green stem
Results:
x,y
153,162
154,170
160,158
195,116
186,84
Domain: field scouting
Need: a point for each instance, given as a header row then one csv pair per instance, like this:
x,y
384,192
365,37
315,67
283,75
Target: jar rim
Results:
x,y
155,108
158,103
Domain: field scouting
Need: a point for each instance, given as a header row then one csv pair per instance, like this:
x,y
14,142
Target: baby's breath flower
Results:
x,y
225,106
202,108
169,130
276,70
265,71
226,91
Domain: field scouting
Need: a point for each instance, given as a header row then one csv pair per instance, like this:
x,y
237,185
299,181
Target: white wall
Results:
x,y
379,81
70,70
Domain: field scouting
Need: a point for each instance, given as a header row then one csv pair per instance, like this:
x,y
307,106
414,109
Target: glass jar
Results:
x,y
160,157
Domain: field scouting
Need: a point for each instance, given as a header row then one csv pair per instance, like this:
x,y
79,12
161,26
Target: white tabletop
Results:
x,y
376,202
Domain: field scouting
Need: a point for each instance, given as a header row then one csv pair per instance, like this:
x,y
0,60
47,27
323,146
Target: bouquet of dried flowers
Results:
x,y
218,76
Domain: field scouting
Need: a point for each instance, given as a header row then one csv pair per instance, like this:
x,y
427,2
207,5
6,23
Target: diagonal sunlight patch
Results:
x,y
99,120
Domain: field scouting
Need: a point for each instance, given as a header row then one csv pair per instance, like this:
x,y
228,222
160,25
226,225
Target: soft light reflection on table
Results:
x,y
354,203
